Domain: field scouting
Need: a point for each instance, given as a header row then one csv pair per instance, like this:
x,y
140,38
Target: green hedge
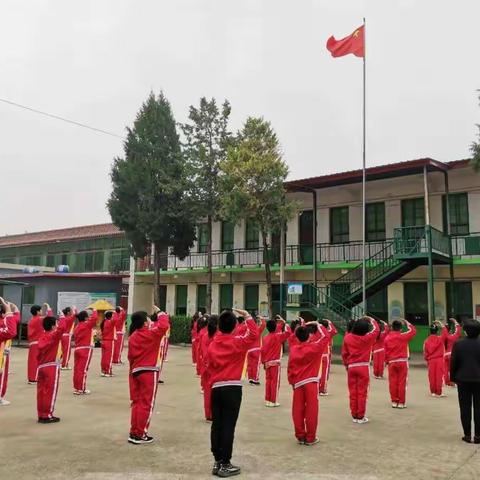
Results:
x,y
180,331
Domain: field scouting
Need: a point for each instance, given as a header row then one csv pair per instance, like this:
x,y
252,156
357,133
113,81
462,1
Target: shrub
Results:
x,y
180,330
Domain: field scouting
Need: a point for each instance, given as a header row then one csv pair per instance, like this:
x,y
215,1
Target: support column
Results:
x,y
314,250
428,237
451,287
282,266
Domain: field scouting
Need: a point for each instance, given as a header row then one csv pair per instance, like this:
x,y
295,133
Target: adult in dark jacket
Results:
x,y
465,372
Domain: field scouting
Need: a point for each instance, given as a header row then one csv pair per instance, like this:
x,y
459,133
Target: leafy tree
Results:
x,y
149,200
207,138
252,187
475,149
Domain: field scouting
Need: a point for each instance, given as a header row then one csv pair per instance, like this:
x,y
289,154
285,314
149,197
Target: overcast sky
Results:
x,y
95,61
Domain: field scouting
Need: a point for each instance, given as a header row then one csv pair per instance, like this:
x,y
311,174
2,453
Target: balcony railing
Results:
x,y
466,245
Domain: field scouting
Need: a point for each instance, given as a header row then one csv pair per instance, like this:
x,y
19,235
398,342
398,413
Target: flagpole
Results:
x,y
364,264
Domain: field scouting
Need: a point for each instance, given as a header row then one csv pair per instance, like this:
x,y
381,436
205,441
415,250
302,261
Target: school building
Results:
x,y
423,251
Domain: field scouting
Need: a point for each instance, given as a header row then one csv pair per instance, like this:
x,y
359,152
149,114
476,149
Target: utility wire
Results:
x,y
57,117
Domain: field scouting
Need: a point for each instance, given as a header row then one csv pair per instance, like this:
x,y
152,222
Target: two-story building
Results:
x,y
412,253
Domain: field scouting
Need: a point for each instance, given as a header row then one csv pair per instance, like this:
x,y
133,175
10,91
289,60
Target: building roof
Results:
x,y
410,167
61,235
16,276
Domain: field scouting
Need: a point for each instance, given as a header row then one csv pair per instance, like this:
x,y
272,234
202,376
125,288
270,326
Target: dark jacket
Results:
x,y
465,362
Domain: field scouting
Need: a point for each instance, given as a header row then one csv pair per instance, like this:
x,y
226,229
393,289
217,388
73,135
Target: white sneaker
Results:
x,y
86,392
269,404
394,405
323,394
77,392
401,405
354,420
362,420
3,402
434,395
275,405
441,395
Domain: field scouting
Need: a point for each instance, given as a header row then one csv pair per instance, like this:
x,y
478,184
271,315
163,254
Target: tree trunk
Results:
x,y
268,273
156,274
209,266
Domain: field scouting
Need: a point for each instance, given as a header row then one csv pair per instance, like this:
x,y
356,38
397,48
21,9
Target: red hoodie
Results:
x,y
226,355
434,346
8,326
331,331
452,338
120,319
305,358
357,349
83,332
271,353
35,327
396,344
380,342
205,342
258,342
109,331
67,323
144,345
49,348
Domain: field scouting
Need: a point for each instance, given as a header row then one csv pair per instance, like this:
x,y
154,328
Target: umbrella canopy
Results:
x,y
101,305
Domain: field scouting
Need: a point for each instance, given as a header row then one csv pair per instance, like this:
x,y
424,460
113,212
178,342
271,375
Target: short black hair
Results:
x,y
312,327
302,333
361,327
294,324
66,311
350,325
240,319
472,328
117,309
433,329
323,322
154,317
212,325
108,315
82,316
397,325
137,321
201,323
2,309
35,309
271,325
48,323
227,321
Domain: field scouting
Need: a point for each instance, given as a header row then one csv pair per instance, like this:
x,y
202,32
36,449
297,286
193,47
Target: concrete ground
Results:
x,y
421,442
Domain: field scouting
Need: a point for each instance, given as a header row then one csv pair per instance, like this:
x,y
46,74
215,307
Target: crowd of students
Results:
x,y
226,348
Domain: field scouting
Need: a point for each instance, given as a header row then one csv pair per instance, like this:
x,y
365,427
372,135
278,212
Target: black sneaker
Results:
x,y
476,440
228,470
215,468
48,420
139,440
161,381
467,439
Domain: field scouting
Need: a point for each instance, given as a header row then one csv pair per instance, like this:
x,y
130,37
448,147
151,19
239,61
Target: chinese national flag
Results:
x,y
354,43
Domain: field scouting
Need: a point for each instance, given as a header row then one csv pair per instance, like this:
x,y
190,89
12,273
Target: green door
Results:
x,y
163,298
228,230
201,298
181,300
305,237
251,299
377,305
226,296
463,301
416,302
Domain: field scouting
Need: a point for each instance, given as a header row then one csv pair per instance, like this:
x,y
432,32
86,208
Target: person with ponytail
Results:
x,y
378,352
453,335
202,323
143,353
84,344
67,318
193,332
109,336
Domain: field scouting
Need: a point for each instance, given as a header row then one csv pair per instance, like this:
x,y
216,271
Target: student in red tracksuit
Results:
x,y
205,342
326,357
9,320
454,333
108,338
84,344
67,320
271,356
49,355
396,357
34,331
120,319
143,351
356,353
379,351
303,369
225,361
434,353
193,333
254,354
162,356
201,330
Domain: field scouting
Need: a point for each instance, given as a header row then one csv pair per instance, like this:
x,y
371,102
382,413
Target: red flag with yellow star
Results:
x,y
354,43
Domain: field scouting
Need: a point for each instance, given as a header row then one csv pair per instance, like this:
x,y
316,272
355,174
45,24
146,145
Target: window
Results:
x,y
202,237
377,305
416,302
413,212
251,299
201,298
339,225
28,295
375,222
279,299
98,262
305,237
251,235
181,299
226,296
162,293
459,223
228,230
463,301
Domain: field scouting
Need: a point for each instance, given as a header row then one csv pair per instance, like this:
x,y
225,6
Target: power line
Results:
x,y
63,119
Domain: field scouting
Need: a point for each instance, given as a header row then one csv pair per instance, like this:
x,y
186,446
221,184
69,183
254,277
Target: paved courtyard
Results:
x,y
421,442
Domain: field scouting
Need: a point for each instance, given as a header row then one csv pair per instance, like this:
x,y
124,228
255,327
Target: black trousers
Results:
x,y
226,403
468,394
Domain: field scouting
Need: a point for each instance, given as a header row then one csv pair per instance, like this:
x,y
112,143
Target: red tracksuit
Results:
x,y
254,354
271,356
143,352
356,352
120,319
396,356
379,353
8,330
205,342
49,354
434,353
67,323
84,344
449,342
327,359
163,351
194,336
303,369
108,338
34,331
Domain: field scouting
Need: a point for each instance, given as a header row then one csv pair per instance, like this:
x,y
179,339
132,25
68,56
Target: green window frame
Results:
x,y
252,235
202,233
459,214
339,225
226,296
181,299
28,295
375,222
251,298
201,298
463,298
413,212
228,235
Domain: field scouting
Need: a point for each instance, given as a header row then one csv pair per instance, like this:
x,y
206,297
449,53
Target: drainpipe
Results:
x,y
428,236
451,313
